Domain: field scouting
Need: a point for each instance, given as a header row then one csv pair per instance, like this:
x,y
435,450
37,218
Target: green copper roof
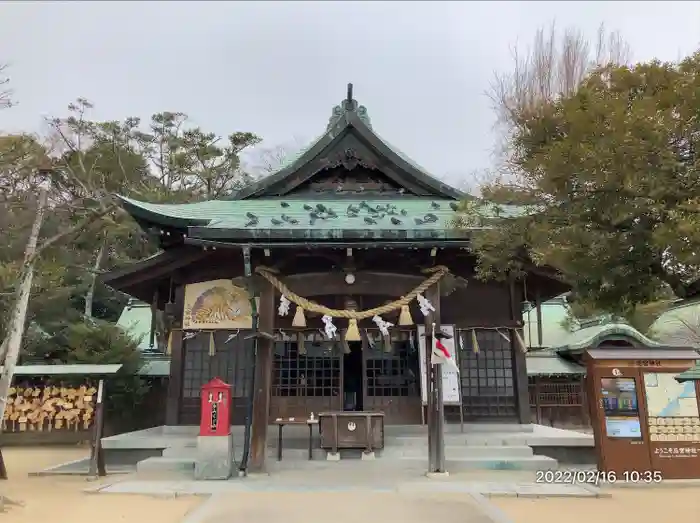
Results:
x,y
406,213
692,374
590,337
404,218
548,363
678,326
335,219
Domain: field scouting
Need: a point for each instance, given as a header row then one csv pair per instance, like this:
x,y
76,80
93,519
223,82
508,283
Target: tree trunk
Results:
x,y
90,294
19,314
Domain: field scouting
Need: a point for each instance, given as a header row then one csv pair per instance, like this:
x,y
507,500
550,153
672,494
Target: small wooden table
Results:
x,y
281,422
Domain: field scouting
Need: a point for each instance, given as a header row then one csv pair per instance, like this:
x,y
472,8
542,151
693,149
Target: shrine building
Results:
x,y
352,230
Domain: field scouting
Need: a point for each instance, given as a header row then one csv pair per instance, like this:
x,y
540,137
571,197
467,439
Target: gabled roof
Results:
x,y
549,363
349,117
591,337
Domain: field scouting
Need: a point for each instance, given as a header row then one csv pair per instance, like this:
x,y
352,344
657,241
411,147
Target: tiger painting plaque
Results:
x,y
216,304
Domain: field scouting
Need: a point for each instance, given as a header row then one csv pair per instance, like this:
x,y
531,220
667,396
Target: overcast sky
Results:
x,y
277,69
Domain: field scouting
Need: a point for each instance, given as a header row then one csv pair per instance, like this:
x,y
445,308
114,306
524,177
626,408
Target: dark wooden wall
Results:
x,y
491,380
232,362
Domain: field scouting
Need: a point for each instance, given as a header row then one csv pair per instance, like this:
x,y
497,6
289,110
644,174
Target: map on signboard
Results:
x,y
668,398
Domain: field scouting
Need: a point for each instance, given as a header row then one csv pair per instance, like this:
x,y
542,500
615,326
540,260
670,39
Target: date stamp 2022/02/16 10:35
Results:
x,y
596,477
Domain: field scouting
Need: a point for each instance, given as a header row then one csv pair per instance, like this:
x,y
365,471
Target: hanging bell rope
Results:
x,y
307,305
169,343
405,318
212,344
353,332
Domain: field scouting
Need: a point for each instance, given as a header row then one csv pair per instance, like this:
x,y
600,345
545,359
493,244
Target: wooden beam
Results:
x,y
263,379
153,268
366,284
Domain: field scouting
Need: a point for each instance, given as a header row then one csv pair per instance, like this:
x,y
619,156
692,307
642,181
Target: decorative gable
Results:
x,y
351,155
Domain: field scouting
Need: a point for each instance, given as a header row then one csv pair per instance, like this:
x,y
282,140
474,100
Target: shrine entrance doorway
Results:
x,y
392,377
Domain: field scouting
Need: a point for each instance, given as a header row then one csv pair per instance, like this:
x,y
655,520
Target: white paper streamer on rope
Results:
x,y
232,336
382,325
328,326
189,335
425,306
283,309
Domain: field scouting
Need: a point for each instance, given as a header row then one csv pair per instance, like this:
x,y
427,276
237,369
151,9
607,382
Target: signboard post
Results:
x,y
451,383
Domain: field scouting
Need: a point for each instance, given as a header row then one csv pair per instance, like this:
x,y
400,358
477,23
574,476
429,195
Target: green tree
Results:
x,y
611,172
91,161
91,341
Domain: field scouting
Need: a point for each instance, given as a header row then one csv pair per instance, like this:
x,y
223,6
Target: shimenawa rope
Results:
x,y
438,272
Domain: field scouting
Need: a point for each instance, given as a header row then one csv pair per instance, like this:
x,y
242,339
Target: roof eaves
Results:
x,y
580,340
692,374
143,211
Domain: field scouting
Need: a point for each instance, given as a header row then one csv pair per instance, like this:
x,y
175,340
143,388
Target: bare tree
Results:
x,y
682,329
554,65
5,92
268,160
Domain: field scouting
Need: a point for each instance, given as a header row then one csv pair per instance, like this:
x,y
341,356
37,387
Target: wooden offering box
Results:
x,y
351,430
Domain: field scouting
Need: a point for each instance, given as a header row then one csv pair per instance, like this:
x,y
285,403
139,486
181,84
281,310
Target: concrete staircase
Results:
x,y
480,447
467,453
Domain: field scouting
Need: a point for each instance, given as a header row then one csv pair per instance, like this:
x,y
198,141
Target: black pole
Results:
x,y
251,391
97,458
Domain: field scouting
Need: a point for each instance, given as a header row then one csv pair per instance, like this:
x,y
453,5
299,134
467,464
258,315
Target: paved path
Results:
x,y
355,476
350,492
347,507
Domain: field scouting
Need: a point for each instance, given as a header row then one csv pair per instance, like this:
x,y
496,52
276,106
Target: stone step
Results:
x,y
496,463
455,428
462,451
165,466
287,453
456,440
296,454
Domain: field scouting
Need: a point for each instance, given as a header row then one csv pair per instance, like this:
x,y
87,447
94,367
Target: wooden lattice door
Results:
x,y
306,378
392,378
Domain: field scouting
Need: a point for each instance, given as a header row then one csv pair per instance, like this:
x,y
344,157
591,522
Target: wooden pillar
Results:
x,y
154,320
97,457
429,407
177,362
538,407
263,378
538,305
436,410
522,396
177,370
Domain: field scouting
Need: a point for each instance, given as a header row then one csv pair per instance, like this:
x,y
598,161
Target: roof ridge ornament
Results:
x,y
349,100
348,105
